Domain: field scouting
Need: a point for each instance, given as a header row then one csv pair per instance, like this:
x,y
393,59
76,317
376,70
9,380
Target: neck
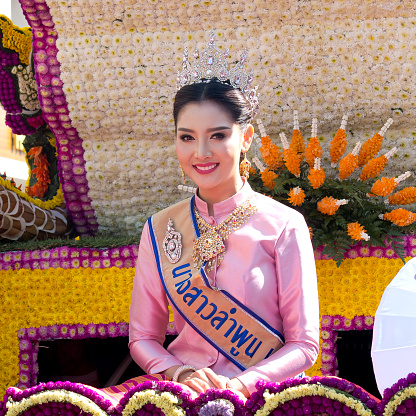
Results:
x,y
213,196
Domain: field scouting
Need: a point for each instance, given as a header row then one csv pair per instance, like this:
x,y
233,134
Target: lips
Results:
x,y
205,168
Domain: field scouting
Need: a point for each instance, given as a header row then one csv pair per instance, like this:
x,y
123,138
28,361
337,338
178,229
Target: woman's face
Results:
x,y
208,146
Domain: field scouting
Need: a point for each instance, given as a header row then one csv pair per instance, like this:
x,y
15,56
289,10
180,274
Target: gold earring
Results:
x,y
183,174
245,166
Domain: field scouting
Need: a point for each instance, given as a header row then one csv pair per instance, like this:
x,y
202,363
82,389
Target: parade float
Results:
x,y
90,85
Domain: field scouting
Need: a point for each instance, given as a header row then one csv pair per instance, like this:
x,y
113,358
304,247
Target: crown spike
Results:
x,y
211,63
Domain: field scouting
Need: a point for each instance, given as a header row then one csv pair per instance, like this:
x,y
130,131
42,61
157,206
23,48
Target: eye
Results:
x,y
186,137
218,136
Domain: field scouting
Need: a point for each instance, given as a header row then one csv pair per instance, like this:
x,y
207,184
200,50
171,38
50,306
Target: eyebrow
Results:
x,y
208,130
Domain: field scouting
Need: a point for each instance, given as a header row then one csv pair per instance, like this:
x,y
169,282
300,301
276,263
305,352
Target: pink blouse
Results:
x,y
268,266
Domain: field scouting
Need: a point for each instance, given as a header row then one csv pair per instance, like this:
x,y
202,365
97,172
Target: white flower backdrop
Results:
x,y
324,58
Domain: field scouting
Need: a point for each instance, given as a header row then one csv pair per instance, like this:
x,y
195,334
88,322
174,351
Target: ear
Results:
x,y
247,138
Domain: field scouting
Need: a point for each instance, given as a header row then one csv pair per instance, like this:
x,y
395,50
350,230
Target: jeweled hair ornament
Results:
x,y
212,63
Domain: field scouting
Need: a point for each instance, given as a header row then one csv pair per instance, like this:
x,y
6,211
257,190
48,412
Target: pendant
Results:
x,y
172,243
206,247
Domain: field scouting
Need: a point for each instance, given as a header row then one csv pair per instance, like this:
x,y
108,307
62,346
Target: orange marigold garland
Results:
x,y
375,166
338,143
313,149
316,175
357,231
269,151
372,146
297,143
41,172
330,205
349,163
399,216
404,197
268,176
296,196
386,186
291,158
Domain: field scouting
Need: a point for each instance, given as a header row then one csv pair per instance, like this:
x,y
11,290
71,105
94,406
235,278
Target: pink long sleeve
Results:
x,y
268,266
149,313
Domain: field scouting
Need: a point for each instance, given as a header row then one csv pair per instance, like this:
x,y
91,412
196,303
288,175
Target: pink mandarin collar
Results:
x,y
225,207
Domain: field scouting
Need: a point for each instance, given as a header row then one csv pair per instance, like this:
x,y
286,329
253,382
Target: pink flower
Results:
x,y
53,331
92,329
96,264
25,345
32,333
327,321
337,322
352,253
364,251
63,252
358,322
325,335
369,322
35,255
44,265
72,331
45,254
347,323
102,330
63,330
377,252
125,252
81,330
75,263
389,253
106,262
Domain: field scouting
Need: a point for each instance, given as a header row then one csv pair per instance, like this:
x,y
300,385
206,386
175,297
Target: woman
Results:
x,y
237,267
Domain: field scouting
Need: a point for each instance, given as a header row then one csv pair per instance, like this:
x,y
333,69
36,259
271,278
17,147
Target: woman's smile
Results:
x,y
205,168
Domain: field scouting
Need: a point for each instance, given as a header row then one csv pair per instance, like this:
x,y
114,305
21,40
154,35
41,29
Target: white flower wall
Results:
x,y
324,58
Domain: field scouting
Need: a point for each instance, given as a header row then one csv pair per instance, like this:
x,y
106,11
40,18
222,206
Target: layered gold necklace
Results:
x,y
210,245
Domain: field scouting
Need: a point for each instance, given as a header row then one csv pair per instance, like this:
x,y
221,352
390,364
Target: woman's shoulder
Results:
x,y
183,204
270,206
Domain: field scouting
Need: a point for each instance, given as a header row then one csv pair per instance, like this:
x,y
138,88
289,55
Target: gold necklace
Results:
x,y
210,245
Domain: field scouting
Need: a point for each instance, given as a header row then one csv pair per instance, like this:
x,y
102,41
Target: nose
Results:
x,y
202,150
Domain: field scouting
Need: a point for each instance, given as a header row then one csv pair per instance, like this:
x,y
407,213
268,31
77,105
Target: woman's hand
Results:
x,y
202,380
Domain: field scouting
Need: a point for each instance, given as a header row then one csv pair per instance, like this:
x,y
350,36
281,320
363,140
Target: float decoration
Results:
x,y
342,209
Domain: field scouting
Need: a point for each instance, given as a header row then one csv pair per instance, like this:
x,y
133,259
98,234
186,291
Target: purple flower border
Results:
x,y
70,258
72,174
330,325
29,343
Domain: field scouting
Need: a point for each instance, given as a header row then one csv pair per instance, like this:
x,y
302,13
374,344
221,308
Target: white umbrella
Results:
x,y
394,336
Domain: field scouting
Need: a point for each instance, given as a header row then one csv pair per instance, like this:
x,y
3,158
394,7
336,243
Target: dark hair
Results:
x,y
230,99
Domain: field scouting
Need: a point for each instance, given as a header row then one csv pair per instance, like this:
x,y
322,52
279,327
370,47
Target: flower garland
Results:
x,y
399,399
316,395
155,397
218,403
335,207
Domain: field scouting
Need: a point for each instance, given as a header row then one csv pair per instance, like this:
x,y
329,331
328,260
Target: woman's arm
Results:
x,y
298,307
149,314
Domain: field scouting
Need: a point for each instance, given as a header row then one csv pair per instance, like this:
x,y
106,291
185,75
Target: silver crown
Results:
x,y
212,63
